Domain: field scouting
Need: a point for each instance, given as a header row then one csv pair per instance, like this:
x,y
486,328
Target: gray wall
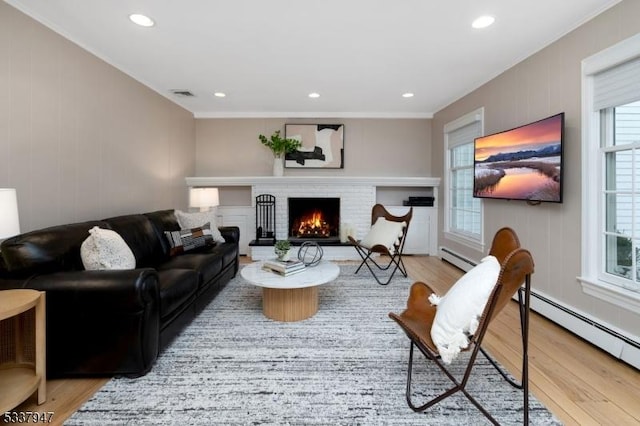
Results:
x,y
78,138
373,147
544,84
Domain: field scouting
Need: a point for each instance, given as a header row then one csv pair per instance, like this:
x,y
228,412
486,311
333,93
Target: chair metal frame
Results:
x,y
516,268
395,257
504,242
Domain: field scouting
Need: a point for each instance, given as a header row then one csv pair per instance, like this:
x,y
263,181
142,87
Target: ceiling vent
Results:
x,y
183,93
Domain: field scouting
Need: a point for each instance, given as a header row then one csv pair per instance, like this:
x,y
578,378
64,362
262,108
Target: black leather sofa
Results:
x,y
115,322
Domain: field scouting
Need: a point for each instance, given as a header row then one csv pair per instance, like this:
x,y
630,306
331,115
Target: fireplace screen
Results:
x,y
314,218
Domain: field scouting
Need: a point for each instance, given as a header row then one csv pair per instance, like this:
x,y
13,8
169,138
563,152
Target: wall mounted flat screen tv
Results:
x,y
524,163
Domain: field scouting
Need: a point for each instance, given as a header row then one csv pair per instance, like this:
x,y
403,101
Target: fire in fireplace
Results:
x,y
314,218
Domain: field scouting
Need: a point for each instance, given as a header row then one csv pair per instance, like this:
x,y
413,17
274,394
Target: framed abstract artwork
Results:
x,y
322,146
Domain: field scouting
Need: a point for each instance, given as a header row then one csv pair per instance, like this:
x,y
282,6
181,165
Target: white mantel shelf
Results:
x,y
396,181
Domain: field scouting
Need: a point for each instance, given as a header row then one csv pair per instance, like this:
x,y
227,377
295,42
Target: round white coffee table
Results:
x,y
291,298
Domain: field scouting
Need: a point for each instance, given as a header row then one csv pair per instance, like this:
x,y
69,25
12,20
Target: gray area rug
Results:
x,y
345,366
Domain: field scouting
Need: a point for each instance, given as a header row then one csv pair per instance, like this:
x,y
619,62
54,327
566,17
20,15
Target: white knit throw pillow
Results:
x,y
105,249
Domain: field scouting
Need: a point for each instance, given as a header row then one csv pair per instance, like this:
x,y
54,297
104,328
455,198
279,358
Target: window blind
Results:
x,y
463,135
618,85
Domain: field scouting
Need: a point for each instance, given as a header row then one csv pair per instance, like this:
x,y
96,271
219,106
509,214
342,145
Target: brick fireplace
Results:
x,y
355,202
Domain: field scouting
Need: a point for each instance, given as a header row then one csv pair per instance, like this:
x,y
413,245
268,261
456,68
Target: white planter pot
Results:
x,y
283,255
278,165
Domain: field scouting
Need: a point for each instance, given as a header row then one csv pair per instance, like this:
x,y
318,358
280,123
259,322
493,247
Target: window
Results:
x,y
463,213
611,175
620,151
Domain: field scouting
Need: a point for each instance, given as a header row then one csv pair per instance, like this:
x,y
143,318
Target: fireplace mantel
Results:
x,y
357,195
392,181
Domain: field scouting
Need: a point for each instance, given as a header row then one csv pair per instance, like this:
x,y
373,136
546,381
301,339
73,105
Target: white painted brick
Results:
x,y
355,202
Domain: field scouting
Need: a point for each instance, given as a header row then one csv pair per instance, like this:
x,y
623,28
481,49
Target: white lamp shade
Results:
x,y
9,221
203,197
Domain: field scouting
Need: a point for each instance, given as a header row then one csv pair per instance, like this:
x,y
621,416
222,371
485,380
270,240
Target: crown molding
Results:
x,y
312,114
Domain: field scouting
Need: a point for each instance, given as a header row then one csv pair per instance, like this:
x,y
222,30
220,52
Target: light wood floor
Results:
x,y
579,383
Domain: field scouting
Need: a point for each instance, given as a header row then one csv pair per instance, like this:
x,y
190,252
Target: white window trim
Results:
x,y
466,240
592,207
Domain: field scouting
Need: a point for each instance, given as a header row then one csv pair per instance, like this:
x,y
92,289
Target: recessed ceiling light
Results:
x,y
219,94
483,21
314,95
407,95
142,20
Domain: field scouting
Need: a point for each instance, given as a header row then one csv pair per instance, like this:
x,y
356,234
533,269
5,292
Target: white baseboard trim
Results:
x,y
602,335
456,259
622,346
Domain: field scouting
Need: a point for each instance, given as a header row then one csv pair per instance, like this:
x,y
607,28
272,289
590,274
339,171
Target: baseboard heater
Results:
x,y
580,324
456,259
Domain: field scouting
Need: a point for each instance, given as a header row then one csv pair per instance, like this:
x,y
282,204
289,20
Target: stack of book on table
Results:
x,y
284,267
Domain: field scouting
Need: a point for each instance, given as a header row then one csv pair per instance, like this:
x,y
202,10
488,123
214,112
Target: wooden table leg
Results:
x,y
291,304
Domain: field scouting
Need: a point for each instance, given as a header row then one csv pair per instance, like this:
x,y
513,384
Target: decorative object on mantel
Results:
x,y
280,147
282,248
321,146
310,253
265,218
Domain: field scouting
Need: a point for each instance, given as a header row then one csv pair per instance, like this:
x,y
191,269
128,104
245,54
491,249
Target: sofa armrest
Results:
x,y
123,290
231,234
101,322
7,279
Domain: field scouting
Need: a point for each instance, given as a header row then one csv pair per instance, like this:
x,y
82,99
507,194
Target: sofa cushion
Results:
x,y
189,239
105,249
228,253
163,220
52,249
208,266
177,287
140,236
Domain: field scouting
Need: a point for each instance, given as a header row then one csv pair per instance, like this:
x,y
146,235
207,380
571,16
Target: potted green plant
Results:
x,y
279,146
282,249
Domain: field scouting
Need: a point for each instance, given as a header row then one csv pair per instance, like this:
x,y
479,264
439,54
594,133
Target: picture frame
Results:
x,y
322,146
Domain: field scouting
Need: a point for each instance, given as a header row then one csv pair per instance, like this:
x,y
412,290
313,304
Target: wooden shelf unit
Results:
x,y
22,347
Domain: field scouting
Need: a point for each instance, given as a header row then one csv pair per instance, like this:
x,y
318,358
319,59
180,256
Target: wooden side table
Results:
x,y
22,347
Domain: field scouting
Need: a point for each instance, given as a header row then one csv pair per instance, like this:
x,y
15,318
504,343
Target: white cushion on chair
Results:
x,y
384,232
459,310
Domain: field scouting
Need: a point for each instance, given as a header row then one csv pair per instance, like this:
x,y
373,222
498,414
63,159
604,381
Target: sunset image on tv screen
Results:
x,y
522,164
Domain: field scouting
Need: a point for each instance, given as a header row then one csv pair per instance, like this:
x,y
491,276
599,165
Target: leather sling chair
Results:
x,y
416,321
380,242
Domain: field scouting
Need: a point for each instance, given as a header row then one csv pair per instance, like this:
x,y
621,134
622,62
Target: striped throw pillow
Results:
x,y
189,239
